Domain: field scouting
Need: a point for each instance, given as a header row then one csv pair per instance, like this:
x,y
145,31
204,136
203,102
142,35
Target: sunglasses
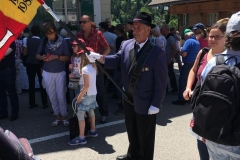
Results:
x,y
84,22
50,33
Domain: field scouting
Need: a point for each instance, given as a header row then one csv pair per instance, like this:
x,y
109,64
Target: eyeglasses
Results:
x,y
84,22
217,37
74,45
50,33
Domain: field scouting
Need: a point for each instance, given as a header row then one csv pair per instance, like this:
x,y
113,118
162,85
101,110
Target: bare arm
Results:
x,y
24,51
84,89
39,57
9,50
183,54
191,77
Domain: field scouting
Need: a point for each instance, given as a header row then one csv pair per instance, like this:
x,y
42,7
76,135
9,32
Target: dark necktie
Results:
x,y
136,48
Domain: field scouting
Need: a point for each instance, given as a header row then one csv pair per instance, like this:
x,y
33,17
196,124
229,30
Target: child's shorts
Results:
x,y
88,102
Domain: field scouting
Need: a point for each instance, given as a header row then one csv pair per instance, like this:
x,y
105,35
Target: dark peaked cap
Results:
x,y
145,18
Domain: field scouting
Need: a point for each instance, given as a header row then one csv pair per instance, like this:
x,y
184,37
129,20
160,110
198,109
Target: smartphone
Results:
x,y
46,56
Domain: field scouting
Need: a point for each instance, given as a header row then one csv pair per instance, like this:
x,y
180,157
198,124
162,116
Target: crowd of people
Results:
x,y
140,57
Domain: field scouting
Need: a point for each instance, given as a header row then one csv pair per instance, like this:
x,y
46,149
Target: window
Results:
x,y
212,18
185,19
66,10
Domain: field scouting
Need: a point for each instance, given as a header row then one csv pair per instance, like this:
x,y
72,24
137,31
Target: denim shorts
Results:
x,y
88,102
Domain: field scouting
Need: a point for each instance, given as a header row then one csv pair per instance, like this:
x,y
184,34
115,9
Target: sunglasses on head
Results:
x,y
50,33
84,22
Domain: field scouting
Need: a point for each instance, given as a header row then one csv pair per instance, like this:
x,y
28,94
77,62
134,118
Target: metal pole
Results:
x,y
49,10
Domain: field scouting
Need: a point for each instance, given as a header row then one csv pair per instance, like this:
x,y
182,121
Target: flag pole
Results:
x,y
49,10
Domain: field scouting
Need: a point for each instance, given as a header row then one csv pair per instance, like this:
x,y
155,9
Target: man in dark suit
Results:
x,y
148,94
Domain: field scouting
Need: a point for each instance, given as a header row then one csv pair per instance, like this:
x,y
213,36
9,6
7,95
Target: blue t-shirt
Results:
x,y
192,47
111,39
55,66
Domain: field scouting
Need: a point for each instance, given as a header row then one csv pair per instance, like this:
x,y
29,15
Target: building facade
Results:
x,y
70,11
194,11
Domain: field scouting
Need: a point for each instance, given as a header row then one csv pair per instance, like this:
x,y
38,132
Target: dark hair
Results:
x,y
104,25
171,29
120,28
221,26
50,26
35,30
47,20
233,43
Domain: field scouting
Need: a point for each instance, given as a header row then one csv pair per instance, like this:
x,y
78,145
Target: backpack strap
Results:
x,y
204,51
220,59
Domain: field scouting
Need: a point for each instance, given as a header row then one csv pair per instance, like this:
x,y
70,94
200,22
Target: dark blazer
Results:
x,y
151,85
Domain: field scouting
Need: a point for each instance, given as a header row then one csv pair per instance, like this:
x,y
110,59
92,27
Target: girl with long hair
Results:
x,y
86,99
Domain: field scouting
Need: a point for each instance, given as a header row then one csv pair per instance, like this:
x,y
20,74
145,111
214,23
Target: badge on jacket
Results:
x,y
145,68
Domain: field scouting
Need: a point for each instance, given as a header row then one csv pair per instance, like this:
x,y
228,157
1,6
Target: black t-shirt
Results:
x,y
9,60
119,42
130,35
111,29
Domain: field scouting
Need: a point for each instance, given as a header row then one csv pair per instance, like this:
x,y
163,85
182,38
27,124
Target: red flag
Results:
x,y
15,15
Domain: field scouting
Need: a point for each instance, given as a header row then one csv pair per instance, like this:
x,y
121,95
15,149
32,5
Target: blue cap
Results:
x,y
198,26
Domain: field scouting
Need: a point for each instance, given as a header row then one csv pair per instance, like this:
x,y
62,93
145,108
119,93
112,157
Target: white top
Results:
x,y
141,44
91,72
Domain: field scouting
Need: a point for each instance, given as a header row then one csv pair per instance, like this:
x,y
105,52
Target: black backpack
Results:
x,y
215,104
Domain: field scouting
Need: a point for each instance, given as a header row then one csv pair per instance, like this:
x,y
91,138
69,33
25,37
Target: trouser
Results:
x,y
7,83
32,70
101,94
183,79
55,84
18,80
171,75
202,149
118,80
67,81
141,133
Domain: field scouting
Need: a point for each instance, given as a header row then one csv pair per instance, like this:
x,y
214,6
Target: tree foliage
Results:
x,y
125,10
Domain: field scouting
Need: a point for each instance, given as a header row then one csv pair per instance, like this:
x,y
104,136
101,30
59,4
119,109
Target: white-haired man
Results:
x,y
160,39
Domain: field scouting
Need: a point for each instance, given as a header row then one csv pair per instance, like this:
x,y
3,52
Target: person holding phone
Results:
x,y
54,75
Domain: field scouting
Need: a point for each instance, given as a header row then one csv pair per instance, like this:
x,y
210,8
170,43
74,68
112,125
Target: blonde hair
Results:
x,y
85,61
223,21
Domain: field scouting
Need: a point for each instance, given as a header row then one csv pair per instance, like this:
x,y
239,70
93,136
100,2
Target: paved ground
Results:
x,y
173,141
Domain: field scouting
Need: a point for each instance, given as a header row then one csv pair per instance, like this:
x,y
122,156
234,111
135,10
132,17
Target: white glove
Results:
x,y
93,56
153,110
